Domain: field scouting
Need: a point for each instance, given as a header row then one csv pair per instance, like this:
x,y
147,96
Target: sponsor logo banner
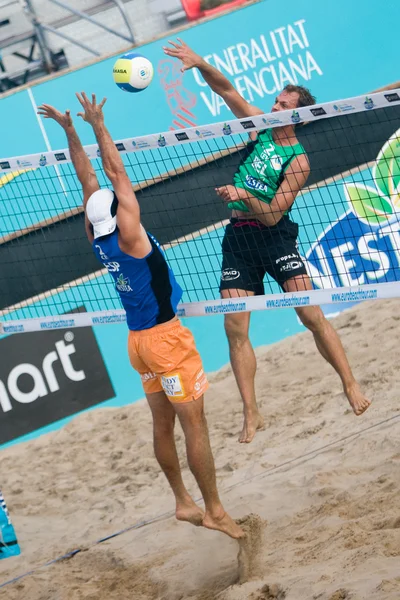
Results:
x,y
363,245
317,112
247,124
181,136
393,97
48,375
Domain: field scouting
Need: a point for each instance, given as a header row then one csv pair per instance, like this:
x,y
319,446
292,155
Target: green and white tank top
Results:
x,y
262,171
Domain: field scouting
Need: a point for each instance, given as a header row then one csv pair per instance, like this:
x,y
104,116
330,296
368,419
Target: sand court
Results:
x,y
321,487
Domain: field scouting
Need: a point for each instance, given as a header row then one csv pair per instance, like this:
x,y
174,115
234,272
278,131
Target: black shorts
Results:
x,y
250,250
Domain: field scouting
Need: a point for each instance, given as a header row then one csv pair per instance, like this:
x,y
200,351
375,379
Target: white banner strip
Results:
x,y
336,108
214,307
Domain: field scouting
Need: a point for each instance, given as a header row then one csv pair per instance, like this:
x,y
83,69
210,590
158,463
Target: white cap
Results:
x,y
101,210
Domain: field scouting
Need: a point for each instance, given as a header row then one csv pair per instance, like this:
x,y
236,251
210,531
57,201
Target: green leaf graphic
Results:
x,y
387,169
367,204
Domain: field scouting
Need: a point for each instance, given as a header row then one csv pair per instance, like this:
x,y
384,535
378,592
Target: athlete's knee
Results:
x,y
195,425
237,328
312,317
195,430
191,414
163,425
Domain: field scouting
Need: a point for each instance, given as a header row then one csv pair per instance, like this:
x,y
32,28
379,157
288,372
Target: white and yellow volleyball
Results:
x,y
133,72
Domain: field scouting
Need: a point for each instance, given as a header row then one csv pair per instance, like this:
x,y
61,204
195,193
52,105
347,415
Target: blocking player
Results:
x,y
160,348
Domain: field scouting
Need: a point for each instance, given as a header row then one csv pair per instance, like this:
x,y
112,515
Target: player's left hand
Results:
x,y
49,112
229,193
93,112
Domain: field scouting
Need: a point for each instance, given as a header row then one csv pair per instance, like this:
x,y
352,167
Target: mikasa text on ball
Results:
x,y
133,72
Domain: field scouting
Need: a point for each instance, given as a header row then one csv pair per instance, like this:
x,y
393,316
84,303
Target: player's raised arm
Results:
x,y
83,167
217,82
128,218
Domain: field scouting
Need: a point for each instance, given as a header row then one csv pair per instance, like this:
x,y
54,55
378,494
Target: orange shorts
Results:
x,y
167,360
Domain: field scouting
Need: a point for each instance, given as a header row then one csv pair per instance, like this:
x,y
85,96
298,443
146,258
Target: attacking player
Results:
x,y
261,238
160,348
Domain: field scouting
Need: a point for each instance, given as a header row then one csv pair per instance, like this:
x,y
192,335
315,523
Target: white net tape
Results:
x,y
305,114
214,307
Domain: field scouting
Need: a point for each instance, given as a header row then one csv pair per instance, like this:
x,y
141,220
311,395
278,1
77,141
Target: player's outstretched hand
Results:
x,y
185,54
49,112
93,112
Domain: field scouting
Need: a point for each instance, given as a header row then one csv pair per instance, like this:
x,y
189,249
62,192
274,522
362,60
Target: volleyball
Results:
x,y
133,72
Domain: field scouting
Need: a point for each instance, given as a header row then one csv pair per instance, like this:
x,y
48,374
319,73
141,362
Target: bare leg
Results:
x,y
329,345
244,365
165,451
201,463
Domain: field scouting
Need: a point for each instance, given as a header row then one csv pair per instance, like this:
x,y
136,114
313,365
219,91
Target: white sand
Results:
x,y
333,516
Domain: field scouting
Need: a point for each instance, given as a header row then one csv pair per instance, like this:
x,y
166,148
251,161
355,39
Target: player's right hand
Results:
x,y
185,54
49,112
93,112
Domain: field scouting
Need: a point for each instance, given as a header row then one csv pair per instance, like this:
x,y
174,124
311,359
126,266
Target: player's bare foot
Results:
x,y
188,510
221,521
358,402
252,424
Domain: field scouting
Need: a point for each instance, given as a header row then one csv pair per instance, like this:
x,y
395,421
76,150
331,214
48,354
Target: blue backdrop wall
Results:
x,y
338,49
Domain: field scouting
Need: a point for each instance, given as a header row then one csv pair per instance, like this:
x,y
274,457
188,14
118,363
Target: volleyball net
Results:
x,y
348,216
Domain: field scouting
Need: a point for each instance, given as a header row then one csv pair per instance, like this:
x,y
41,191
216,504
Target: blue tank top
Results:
x,y
147,286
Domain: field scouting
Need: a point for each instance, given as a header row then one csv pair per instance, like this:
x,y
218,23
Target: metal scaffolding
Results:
x,y
50,61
